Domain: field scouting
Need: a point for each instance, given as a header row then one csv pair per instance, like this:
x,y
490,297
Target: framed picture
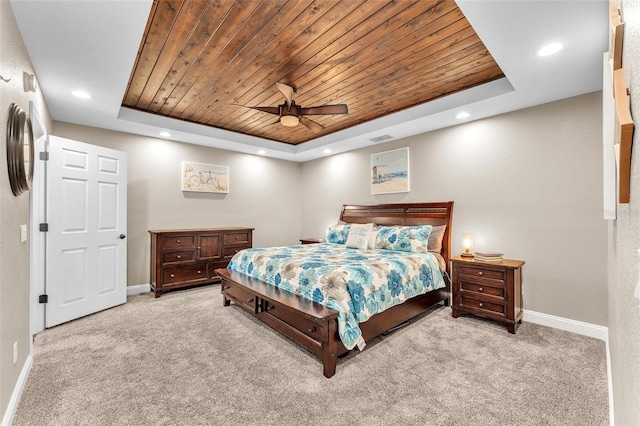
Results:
x,y
201,177
390,171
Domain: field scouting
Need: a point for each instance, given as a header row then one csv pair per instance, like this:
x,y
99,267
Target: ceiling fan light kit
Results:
x,y
289,120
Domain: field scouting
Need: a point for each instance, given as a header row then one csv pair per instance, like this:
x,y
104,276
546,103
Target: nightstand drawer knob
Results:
x,y
178,257
178,241
481,273
199,272
172,276
480,304
481,289
312,329
250,300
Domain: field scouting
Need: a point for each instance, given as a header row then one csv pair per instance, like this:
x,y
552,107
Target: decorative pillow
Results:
x,y
373,235
404,238
359,235
435,238
337,234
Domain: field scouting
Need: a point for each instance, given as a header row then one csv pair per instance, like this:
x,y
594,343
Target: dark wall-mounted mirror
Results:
x,y
20,150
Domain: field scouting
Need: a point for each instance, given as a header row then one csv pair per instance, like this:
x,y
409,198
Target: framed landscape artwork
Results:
x,y
201,177
390,171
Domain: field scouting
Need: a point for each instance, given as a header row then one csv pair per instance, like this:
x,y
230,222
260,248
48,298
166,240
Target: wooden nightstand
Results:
x,y
488,289
311,240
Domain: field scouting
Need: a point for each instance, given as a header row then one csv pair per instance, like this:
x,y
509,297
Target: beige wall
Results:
x,y
264,192
14,211
624,242
528,183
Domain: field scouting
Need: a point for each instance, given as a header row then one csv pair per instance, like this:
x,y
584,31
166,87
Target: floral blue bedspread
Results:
x,y
356,283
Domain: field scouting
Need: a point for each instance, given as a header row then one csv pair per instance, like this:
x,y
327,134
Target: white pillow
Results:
x,y
373,235
359,236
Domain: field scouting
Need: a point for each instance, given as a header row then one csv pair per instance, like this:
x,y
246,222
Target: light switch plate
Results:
x,y
23,233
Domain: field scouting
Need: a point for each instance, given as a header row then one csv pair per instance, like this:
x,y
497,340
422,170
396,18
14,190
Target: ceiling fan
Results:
x,y
292,114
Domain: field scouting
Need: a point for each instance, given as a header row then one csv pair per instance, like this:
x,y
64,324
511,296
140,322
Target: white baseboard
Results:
x,y
138,289
579,327
7,420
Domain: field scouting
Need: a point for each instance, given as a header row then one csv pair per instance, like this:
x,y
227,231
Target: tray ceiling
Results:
x,y
207,62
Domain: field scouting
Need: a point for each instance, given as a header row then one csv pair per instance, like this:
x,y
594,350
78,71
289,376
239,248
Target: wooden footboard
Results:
x,y
311,324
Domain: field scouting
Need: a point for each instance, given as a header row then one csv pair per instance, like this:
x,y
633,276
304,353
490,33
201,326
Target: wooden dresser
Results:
x,y
186,257
488,289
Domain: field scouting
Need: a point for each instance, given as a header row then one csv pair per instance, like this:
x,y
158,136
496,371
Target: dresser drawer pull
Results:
x,y
481,289
271,308
199,272
199,248
311,330
250,300
480,304
173,276
178,241
480,273
178,257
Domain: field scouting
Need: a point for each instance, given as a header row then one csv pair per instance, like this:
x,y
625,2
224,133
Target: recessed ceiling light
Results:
x,y
462,114
165,134
81,94
550,49
262,152
327,151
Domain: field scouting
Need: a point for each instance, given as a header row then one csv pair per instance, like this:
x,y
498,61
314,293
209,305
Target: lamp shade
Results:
x,y
467,244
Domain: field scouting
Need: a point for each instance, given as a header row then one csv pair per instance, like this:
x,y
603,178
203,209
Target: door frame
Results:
x,y
37,215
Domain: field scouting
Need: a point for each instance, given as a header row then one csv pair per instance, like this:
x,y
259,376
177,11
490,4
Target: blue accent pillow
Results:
x,y
338,234
413,239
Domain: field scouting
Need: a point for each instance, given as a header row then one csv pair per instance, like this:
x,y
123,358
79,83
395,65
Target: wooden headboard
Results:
x,y
405,214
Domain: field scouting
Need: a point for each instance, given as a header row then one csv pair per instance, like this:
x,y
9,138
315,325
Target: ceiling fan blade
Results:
x,y
312,125
270,110
326,110
288,91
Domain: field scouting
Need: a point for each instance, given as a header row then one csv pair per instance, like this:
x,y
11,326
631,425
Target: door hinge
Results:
x,y
43,298
44,156
44,227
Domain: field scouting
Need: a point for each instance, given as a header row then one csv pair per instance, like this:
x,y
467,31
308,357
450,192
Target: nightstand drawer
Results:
x,y
183,273
482,288
179,241
482,305
482,273
178,256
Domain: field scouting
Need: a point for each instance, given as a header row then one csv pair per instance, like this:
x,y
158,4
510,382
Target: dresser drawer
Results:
x,y
236,238
185,273
482,305
302,324
178,256
229,252
241,297
481,273
482,288
179,241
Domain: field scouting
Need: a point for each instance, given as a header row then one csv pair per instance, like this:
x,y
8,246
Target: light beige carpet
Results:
x,y
183,359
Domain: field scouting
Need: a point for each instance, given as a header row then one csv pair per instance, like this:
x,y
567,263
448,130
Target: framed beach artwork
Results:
x,y
199,177
390,171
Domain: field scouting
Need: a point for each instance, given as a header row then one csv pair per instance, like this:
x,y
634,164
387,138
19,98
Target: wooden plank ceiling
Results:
x,y
198,60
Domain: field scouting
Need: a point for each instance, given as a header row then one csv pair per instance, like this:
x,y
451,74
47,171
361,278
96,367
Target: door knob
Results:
x,y
122,236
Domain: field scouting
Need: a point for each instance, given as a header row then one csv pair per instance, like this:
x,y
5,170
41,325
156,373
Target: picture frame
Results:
x,y
201,177
390,171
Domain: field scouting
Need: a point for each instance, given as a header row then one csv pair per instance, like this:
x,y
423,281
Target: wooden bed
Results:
x,y
315,326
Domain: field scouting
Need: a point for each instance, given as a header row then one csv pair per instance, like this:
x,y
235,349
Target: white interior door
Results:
x,y
86,246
